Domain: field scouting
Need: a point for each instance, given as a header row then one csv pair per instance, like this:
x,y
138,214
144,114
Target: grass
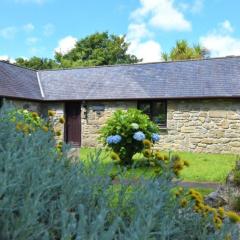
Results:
x,y
203,167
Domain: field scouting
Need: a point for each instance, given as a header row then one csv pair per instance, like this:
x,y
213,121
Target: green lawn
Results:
x,y
203,167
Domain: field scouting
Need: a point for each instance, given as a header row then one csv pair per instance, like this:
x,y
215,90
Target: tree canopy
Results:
x,y
94,50
37,63
182,50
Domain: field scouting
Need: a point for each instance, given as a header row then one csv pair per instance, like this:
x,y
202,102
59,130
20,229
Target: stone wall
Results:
x,y
42,109
211,126
192,125
95,114
58,109
33,106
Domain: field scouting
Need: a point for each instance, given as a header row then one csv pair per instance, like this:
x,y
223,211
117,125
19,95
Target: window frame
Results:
x,y
150,102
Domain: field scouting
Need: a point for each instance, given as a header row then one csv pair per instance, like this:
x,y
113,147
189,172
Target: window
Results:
x,y
156,110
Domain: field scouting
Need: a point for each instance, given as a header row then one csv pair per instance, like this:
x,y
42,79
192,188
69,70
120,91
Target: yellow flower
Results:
x,y
147,153
147,144
221,211
165,158
186,163
114,156
44,128
178,165
19,126
51,113
217,222
58,133
228,237
62,120
234,217
183,202
26,129
180,189
159,156
34,115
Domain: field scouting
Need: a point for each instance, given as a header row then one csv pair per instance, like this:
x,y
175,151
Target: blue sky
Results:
x,y
41,27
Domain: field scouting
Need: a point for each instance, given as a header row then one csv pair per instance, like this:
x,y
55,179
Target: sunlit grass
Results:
x,y
203,167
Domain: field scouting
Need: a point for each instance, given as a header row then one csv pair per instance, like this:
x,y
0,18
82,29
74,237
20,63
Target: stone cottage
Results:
x,y
196,103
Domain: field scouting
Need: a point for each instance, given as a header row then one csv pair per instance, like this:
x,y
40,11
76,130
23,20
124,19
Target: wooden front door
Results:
x,y
73,123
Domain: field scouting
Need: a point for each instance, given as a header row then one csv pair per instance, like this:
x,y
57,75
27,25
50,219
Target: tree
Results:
x,y
37,63
96,50
183,50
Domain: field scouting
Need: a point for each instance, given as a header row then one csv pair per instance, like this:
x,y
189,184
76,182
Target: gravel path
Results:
x,y
211,185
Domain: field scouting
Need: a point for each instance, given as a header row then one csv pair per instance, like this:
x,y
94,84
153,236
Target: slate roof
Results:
x,y
216,77
18,82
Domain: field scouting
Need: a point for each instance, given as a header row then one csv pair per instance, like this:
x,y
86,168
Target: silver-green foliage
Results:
x,y
43,195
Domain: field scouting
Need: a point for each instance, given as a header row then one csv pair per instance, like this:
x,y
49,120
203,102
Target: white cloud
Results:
x,y
28,27
32,40
6,58
220,45
193,7
162,14
137,31
8,32
227,26
220,42
48,29
149,50
66,44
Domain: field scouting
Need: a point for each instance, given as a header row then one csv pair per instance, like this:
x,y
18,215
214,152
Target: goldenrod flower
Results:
x,y
147,153
44,128
58,133
165,158
159,156
228,237
62,120
180,189
186,163
114,156
221,212
25,129
19,126
147,144
234,217
51,113
34,115
178,165
183,202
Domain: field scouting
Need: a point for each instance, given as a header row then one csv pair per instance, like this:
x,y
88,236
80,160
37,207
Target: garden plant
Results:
x,y
44,195
125,132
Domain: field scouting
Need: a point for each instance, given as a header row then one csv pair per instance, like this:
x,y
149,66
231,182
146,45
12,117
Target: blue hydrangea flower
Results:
x,y
114,139
139,136
155,137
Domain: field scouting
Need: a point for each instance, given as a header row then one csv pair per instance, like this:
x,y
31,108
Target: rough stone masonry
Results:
x,y
211,126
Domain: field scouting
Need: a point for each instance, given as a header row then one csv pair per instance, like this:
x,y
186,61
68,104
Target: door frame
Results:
x,y
66,123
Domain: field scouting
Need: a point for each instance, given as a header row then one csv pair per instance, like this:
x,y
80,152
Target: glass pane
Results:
x,y
159,114
145,107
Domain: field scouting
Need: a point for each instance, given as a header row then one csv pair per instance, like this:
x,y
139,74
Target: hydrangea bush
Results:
x,y
46,196
125,132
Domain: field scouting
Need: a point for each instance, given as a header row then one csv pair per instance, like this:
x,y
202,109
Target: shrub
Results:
x,y
46,196
125,132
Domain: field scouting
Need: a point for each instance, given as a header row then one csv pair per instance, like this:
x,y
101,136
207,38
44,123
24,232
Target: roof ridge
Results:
x,y
134,64
14,64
